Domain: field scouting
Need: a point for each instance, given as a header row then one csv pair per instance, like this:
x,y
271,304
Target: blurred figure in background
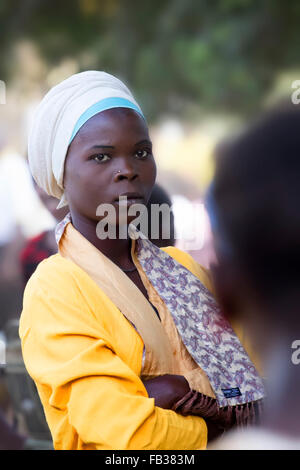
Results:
x,y
43,245
254,209
26,427
11,242
26,404
10,438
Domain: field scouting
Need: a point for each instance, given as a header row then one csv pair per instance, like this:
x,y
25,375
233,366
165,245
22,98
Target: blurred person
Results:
x,y
10,294
18,385
26,415
254,209
133,328
11,242
42,245
10,438
14,431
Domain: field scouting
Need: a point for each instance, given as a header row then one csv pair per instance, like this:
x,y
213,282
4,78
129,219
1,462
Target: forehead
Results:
x,y
113,123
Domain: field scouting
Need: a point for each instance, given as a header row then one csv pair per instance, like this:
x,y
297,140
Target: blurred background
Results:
x,y
199,69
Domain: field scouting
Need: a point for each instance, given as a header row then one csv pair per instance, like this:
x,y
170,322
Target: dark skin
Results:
x,y
112,155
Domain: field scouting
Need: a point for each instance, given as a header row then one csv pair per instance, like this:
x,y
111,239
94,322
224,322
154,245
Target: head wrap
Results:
x,y
60,115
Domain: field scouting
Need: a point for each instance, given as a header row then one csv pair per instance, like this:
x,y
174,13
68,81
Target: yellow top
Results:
x,y
85,358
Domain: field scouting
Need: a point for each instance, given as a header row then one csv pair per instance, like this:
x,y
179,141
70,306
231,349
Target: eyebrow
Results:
x,y
145,141
102,147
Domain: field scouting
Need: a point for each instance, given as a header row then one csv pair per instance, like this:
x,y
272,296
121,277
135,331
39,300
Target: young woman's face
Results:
x,y
110,156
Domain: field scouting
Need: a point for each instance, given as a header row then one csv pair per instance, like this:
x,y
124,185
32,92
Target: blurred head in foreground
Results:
x,y
254,209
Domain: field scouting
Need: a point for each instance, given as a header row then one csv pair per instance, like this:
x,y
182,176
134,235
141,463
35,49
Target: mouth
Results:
x,y
129,198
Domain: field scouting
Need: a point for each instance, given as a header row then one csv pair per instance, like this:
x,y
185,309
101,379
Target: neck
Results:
x,y
117,250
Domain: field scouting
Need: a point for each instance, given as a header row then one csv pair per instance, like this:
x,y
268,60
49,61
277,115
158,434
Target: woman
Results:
x,y
115,331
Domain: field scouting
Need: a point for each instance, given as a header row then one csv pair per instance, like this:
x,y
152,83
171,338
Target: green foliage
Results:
x,y
218,54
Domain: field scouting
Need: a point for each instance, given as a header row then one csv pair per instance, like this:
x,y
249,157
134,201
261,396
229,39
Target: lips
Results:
x,y
130,197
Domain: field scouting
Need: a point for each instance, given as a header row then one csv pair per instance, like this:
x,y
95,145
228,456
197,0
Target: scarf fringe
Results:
x,y
241,416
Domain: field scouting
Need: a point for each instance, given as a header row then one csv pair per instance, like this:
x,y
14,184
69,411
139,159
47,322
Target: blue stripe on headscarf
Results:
x,y
106,103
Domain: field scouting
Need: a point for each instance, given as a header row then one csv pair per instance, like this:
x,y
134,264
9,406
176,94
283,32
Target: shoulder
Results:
x,y
57,276
54,268
61,296
189,263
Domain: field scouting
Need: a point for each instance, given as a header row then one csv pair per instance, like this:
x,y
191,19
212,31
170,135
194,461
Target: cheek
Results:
x,y
76,178
149,181
78,188
151,172
69,172
73,184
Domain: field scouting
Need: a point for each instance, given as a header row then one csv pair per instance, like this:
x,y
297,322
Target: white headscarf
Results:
x,y
56,118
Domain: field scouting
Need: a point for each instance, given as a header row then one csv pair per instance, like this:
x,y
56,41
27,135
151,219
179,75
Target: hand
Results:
x,y
166,389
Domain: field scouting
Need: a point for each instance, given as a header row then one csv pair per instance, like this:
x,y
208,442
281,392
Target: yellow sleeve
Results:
x,y
70,355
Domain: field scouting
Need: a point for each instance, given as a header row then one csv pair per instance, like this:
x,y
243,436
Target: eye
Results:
x,y
100,157
142,153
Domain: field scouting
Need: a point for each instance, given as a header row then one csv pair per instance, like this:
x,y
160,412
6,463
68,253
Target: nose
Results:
x,y
125,171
